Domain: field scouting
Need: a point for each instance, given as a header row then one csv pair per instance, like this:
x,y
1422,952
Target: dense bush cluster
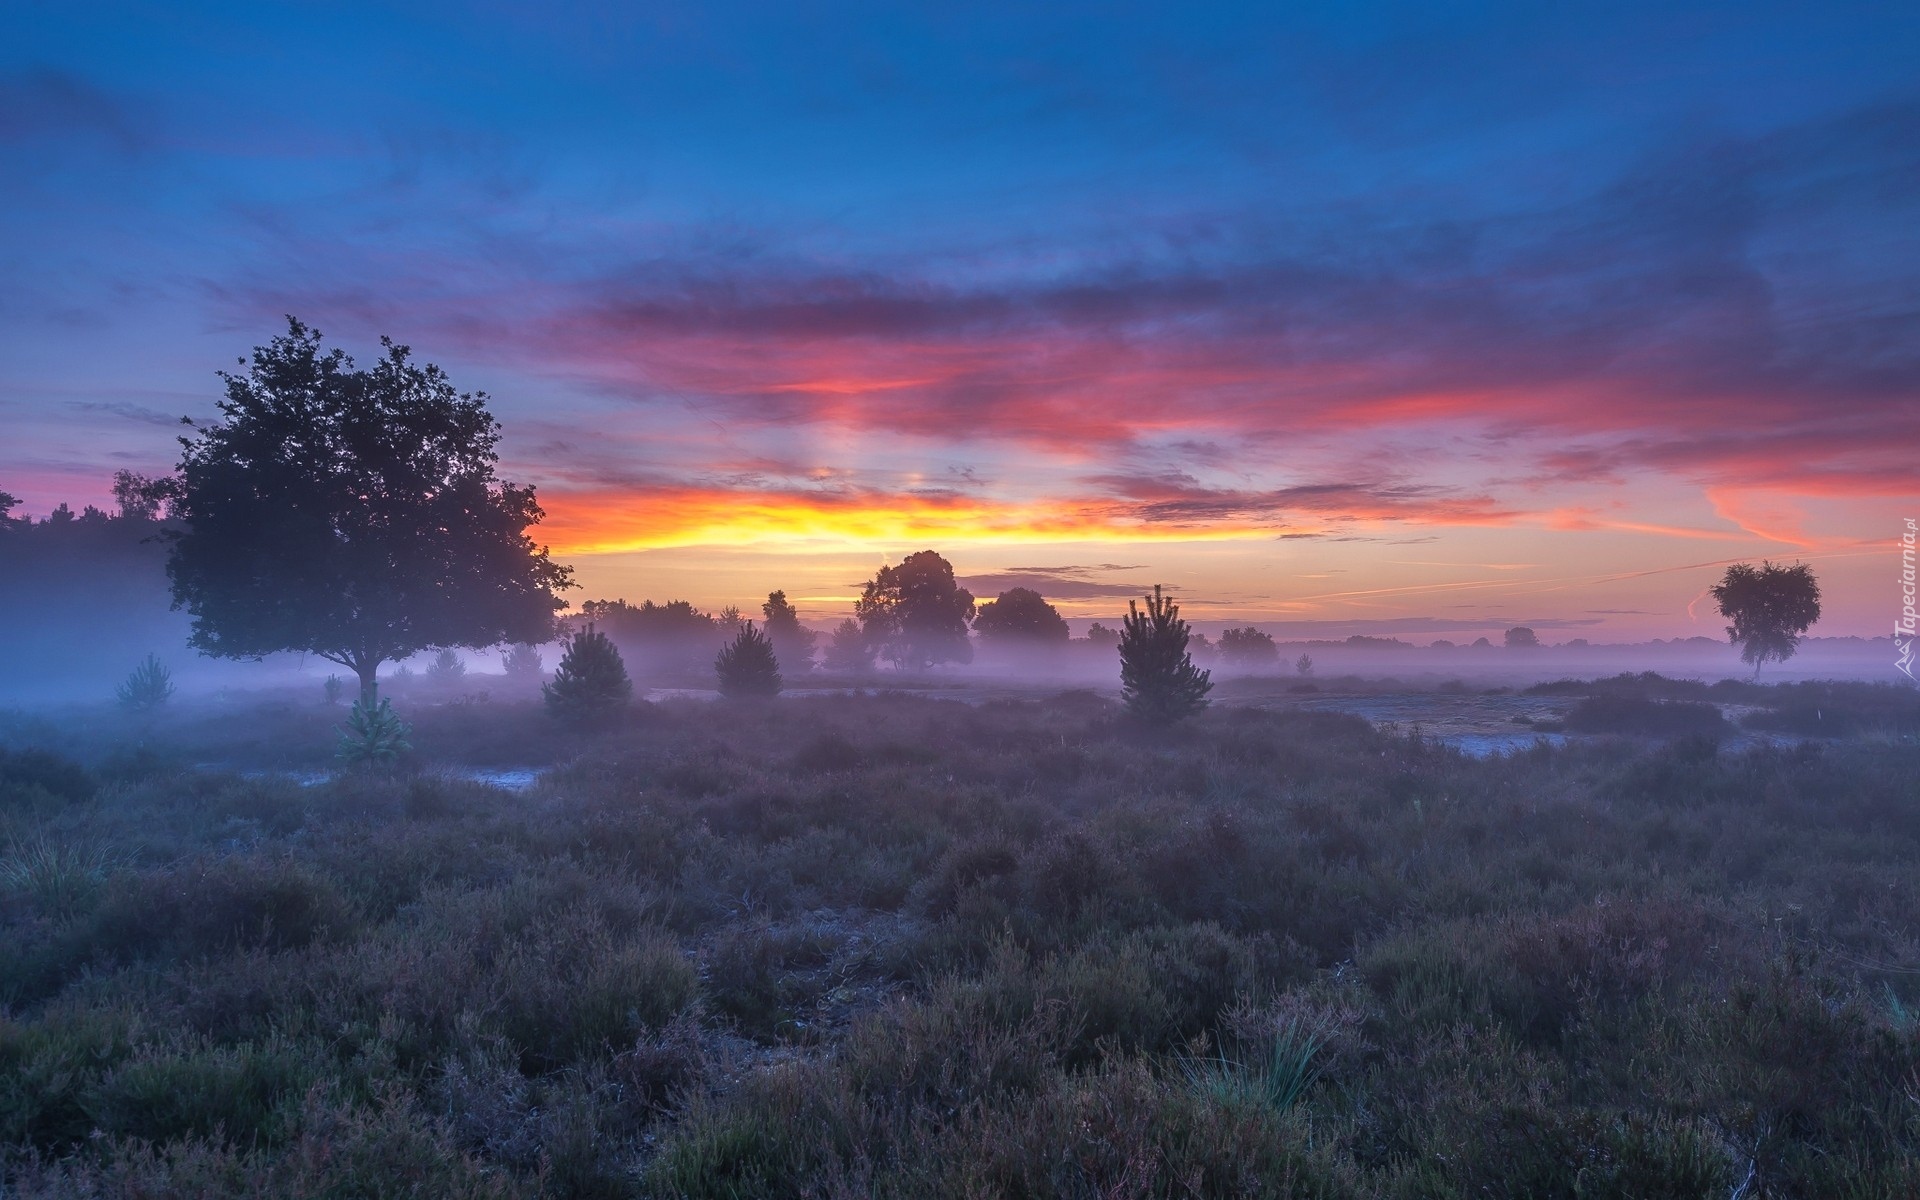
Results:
x,y
886,946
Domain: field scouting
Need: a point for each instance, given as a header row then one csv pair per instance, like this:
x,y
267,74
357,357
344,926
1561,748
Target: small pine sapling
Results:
x,y
591,682
148,687
374,735
1158,680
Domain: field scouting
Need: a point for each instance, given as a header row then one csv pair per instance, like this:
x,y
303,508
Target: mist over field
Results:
x,y
86,608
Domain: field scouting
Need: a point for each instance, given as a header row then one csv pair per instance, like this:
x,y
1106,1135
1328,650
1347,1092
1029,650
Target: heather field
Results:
x,y
897,945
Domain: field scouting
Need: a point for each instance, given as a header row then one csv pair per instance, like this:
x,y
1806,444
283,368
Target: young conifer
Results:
x,y
1158,680
747,666
149,687
590,682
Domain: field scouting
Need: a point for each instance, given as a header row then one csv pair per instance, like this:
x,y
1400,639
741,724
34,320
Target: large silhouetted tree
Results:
x,y
1158,680
353,514
1021,615
916,614
1770,608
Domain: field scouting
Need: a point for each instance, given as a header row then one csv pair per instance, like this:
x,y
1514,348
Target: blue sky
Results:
x,y
1247,294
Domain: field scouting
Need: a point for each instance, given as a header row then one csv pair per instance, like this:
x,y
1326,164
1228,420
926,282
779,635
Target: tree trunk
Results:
x,y
369,683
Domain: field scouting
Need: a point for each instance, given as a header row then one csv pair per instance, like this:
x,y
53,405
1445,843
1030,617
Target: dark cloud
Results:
x,y
132,412
1654,305
1178,498
1052,585
48,103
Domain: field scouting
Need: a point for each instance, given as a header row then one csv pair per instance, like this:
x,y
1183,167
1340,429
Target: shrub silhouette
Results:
x,y
1646,718
1770,608
1304,666
1158,680
747,666
522,661
590,681
446,667
332,689
150,686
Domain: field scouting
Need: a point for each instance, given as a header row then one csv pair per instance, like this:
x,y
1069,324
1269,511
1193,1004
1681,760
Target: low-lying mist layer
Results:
x,y
908,947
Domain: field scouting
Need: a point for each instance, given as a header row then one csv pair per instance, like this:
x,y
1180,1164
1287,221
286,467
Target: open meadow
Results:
x,y
890,945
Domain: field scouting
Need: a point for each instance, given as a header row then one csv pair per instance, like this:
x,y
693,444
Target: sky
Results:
x,y
1333,318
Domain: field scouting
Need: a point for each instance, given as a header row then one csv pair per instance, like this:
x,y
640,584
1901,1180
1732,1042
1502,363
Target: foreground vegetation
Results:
x,y
850,946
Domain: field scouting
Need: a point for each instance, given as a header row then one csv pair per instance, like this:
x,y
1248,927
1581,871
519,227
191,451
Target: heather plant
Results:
x,y
373,736
746,666
591,682
148,687
1158,680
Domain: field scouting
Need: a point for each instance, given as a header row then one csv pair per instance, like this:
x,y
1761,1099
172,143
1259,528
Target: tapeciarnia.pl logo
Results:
x,y
1903,629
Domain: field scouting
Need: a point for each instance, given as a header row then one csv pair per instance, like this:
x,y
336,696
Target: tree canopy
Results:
x,y
353,514
1020,614
1769,607
1248,647
915,614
